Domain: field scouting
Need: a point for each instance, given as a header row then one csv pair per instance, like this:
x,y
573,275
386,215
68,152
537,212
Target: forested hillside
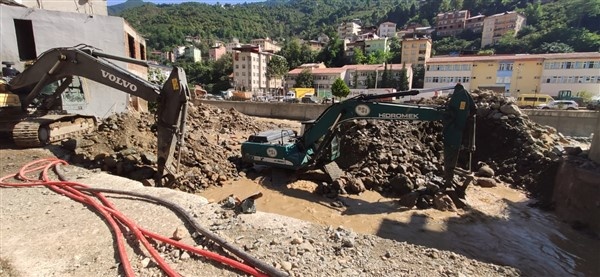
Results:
x,y
570,25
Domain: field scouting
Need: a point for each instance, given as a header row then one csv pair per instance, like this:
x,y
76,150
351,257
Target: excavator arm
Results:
x,y
311,146
84,61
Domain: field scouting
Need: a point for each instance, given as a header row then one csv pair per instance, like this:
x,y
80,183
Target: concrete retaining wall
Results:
x,y
569,123
575,195
271,110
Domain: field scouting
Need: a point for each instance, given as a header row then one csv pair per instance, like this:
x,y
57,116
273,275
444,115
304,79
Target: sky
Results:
x,y
114,2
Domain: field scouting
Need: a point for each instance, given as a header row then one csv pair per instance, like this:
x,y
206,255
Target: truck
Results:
x,y
318,143
32,114
301,92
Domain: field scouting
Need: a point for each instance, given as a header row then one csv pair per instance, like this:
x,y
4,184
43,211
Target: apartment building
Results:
x,y
377,44
215,52
416,50
516,74
348,30
266,45
495,26
234,43
451,23
387,29
193,53
250,68
475,23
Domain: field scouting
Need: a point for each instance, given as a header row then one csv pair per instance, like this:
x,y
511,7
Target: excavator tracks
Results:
x,y
40,131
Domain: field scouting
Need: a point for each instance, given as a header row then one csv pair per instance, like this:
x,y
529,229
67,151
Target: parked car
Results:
x,y
561,105
593,105
309,99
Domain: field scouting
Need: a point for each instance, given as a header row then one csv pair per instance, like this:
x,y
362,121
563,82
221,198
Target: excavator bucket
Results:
x,y
172,111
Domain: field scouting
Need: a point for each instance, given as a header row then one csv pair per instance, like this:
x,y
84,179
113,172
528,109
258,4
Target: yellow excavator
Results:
x,y
32,103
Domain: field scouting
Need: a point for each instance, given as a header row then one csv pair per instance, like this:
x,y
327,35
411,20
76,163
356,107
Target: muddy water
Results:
x,y
498,228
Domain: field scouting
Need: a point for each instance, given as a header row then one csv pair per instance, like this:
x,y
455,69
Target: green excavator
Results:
x,y
318,144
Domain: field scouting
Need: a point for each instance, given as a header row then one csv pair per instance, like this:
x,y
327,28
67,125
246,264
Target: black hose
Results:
x,y
247,258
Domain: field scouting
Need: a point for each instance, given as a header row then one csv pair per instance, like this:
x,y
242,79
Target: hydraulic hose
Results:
x,y
76,192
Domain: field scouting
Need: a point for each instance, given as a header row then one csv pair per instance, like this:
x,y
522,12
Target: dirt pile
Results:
x,y
406,159
125,145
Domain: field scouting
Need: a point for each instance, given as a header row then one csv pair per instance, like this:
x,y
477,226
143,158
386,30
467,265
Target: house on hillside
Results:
x,y
28,32
495,26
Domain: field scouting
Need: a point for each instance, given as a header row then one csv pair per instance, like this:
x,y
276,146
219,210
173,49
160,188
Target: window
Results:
x,y
25,39
142,52
131,46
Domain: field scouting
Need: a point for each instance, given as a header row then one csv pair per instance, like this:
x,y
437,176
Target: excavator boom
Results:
x,y
61,64
319,144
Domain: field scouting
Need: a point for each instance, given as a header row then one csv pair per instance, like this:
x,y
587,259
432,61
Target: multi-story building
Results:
x,y
571,71
377,44
250,68
235,43
193,53
495,26
451,23
215,52
356,75
266,45
348,30
475,23
516,74
387,29
416,50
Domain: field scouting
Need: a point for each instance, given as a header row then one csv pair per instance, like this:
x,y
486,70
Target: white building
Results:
x,y
250,68
387,29
348,29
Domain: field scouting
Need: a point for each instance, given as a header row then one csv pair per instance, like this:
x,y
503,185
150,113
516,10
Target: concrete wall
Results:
x,y
64,29
570,123
575,195
96,7
272,110
594,153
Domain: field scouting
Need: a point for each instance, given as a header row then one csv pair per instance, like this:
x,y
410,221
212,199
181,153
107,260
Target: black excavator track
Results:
x,y
39,131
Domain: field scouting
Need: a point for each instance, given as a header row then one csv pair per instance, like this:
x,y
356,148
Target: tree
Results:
x,y
276,68
387,79
418,76
305,80
395,50
339,88
403,83
370,82
359,57
554,47
333,53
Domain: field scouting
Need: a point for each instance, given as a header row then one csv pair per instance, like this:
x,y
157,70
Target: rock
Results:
x,y
146,262
347,242
401,184
179,233
355,185
287,266
409,200
485,182
511,109
296,239
443,202
485,171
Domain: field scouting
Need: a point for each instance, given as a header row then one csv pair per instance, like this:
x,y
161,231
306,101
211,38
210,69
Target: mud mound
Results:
x,y
125,144
406,158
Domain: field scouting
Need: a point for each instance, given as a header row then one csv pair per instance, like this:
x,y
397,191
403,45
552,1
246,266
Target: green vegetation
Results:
x,y
339,88
552,27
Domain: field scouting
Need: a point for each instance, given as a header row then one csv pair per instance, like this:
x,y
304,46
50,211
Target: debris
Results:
x,y
178,234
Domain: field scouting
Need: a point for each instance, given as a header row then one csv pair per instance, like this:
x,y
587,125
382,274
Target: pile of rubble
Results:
x,y
125,144
406,158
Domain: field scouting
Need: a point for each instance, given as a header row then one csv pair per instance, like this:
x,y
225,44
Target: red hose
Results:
x,y
112,215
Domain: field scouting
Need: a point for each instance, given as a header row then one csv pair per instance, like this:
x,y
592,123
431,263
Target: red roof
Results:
x,y
452,59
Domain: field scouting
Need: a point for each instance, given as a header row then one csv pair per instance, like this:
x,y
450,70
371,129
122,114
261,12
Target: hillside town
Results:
x,y
511,75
